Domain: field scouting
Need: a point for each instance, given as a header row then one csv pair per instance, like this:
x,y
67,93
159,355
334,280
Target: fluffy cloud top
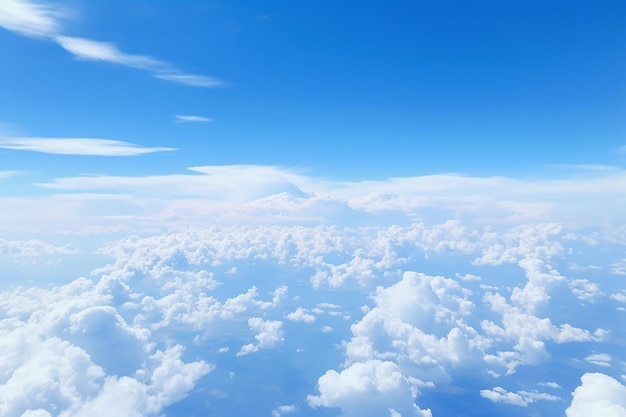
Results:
x,y
598,395
371,387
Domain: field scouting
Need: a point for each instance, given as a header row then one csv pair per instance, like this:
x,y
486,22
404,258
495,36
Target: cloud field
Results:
x,y
376,320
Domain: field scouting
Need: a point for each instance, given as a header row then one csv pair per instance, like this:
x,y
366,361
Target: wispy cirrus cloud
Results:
x,y
90,50
181,118
191,79
78,146
30,18
8,174
37,19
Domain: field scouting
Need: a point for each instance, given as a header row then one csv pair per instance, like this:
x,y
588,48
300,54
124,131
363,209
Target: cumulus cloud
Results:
x,y
78,146
302,315
368,388
283,409
619,297
585,290
598,395
520,398
269,335
51,363
162,289
529,333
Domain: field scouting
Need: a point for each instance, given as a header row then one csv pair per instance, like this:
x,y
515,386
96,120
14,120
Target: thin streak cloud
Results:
x,y
33,19
181,118
191,80
78,146
90,50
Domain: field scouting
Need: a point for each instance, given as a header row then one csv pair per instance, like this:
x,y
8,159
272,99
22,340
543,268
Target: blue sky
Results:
x,y
312,208
346,91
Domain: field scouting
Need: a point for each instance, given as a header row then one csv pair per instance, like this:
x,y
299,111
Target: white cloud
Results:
x,y
600,359
549,384
598,395
36,413
619,297
8,174
585,290
619,268
33,248
283,409
192,80
302,315
187,118
367,388
529,333
267,194
52,340
269,335
36,19
91,50
520,398
468,277
30,18
78,146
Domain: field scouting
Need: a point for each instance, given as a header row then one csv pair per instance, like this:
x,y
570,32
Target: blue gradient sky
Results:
x,y
313,208
345,90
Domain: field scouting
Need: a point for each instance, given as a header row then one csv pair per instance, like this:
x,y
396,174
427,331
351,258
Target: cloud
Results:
x,y
283,409
302,315
186,118
162,289
585,290
30,18
8,174
549,384
367,388
520,398
33,248
91,50
78,146
598,395
35,19
619,297
192,80
600,359
619,268
269,335
262,194
58,346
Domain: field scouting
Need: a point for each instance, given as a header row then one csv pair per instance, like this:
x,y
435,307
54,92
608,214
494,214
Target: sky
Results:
x,y
312,208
